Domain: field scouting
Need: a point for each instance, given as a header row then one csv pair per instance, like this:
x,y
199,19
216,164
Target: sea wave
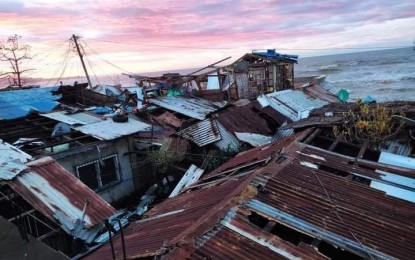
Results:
x,y
407,78
331,66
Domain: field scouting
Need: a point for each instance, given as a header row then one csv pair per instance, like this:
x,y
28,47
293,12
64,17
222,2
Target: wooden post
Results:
x,y
82,60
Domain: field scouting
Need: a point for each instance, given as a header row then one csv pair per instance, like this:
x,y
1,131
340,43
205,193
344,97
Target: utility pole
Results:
x,y
82,59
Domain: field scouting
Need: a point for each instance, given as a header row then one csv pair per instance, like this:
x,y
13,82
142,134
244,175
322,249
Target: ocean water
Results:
x,y
385,75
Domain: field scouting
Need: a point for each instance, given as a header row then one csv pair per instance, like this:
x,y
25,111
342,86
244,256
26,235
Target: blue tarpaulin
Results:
x,y
272,54
18,103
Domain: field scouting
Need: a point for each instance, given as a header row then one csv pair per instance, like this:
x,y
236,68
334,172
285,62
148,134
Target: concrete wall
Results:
x,y
114,192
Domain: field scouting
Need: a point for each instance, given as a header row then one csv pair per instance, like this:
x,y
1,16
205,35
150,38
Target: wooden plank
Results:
x,y
335,143
312,136
363,149
191,176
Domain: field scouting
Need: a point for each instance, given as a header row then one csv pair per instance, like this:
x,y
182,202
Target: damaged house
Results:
x,y
95,150
47,202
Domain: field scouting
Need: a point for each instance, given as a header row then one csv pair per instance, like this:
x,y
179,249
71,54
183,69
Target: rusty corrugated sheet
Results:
x,y
305,193
168,120
309,191
171,220
250,118
49,188
255,154
316,91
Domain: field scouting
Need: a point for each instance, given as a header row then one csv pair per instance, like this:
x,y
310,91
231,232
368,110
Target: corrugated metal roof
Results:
x,y
396,147
254,139
11,153
80,118
18,103
170,220
202,133
192,107
52,190
294,104
9,170
314,195
109,130
308,191
283,132
228,141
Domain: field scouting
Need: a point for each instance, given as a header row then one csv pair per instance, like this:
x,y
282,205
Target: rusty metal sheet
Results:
x,y
171,220
314,195
49,188
168,120
250,118
303,188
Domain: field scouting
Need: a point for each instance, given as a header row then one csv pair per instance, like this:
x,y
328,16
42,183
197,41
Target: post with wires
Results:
x,y
75,38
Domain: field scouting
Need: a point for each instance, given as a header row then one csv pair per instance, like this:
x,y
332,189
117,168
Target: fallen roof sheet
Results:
x,y
294,104
80,118
109,130
11,153
50,189
192,107
228,141
18,103
202,133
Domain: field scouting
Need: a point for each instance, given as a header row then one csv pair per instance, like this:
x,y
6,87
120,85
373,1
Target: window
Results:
x,y
97,175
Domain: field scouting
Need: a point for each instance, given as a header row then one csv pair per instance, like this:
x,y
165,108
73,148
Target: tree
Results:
x,y
14,53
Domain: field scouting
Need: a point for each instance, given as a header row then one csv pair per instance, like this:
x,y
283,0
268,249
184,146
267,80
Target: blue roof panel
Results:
x,y
18,103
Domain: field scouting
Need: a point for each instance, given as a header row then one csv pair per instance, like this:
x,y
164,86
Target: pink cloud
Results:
x,y
144,27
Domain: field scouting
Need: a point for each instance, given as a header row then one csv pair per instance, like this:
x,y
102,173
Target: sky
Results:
x,y
137,36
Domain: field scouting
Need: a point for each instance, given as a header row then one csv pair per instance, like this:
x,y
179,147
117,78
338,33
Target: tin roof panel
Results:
x,y
109,130
192,107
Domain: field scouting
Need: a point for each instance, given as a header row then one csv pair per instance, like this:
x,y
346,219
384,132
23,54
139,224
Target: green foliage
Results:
x,y
373,123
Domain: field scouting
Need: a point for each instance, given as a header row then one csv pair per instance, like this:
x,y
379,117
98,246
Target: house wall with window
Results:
x,y
104,167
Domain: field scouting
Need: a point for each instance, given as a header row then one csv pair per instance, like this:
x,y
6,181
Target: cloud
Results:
x,y
151,29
